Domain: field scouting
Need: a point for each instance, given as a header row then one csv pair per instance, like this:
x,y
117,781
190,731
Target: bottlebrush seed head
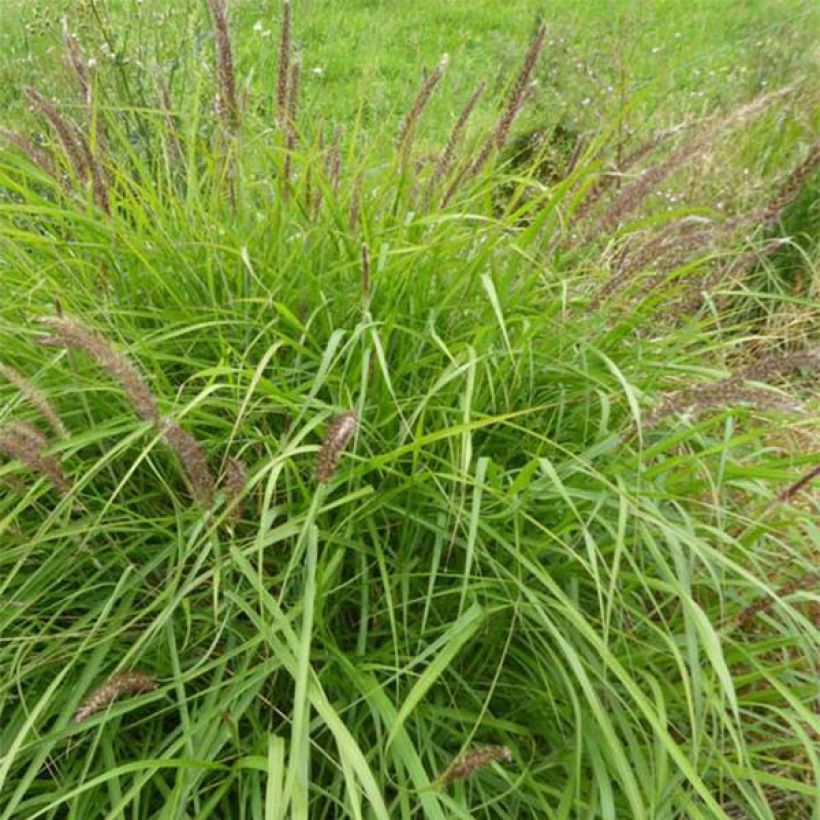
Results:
x,y
123,683
337,438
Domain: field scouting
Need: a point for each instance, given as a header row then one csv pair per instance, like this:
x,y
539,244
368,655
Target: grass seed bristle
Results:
x,y
76,336
405,137
338,436
446,157
284,67
192,457
134,682
27,444
234,481
36,398
68,134
226,101
473,761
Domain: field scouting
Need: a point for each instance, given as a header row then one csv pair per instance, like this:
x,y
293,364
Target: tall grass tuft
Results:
x,y
504,566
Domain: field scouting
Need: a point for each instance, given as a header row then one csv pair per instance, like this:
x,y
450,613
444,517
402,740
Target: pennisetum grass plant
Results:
x,y
515,553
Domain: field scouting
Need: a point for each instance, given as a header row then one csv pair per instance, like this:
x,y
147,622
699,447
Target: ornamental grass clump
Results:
x,y
502,557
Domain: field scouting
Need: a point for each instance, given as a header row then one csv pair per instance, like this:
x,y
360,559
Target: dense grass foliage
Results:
x,y
345,474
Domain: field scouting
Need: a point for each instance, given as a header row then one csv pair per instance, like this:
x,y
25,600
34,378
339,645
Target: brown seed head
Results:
x,y
226,101
35,398
284,66
447,155
190,453
77,63
76,336
71,138
122,683
27,444
472,761
234,481
42,159
419,104
338,436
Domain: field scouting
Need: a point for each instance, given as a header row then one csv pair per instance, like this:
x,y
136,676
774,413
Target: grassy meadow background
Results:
x,y
356,466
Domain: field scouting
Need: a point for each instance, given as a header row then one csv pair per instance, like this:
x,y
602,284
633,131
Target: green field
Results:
x,y
357,464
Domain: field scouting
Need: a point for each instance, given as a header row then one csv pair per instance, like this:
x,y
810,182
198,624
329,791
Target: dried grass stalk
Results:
x,y
190,453
76,336
792,186
734,271
35,398
77,149
663,251
764,602
122,683
284,66
515,101
27,444
472,761
405,138
520,89
355,214
226,101
338,436
596,192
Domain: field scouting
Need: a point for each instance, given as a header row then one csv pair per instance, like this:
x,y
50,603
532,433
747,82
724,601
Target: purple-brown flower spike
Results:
x,y
338,436
122,683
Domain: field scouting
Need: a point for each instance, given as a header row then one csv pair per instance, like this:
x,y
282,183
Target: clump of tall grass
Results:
x,y
504,569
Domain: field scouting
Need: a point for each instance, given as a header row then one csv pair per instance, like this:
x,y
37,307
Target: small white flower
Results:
x,y
257,26
317,71
92,62
586,101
